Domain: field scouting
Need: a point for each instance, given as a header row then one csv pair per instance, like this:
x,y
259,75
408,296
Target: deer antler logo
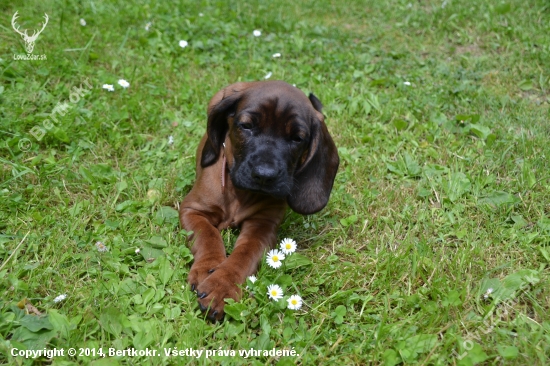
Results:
x,y
29,40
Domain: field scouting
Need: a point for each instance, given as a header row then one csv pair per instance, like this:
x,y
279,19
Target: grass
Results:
x,y
443,191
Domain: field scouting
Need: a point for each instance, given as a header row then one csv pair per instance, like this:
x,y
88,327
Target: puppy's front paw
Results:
x,y
201,270
220,285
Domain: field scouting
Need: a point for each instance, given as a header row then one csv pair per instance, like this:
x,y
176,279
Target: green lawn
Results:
x,y
435,245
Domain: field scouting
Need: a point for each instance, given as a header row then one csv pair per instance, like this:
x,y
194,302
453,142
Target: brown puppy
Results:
x,y
266,147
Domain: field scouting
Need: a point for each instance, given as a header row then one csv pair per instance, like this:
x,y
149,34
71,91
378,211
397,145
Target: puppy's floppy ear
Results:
x,y
316,103
220,106
314,178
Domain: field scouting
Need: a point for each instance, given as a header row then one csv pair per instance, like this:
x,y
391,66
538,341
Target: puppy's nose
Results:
x,y
264,175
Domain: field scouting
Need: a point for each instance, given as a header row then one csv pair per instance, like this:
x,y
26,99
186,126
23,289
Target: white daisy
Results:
x,y
294,302
123,83
407,83
148,26
288,246
109,87
201,14
170,140
252,279
60,298
101,247
268,75
137,250
275,292
183,44
276,55
489,292
274,258
82,22
257,33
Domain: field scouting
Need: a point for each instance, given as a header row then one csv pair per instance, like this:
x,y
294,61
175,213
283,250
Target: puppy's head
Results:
x,y
280,145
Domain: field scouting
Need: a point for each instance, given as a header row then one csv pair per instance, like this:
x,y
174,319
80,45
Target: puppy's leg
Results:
x,y
256,236
208,249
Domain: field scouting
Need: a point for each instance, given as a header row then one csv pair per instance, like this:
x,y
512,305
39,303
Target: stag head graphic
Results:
x,y
29,40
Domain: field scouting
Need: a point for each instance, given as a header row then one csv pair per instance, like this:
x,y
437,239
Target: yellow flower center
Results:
x,y
288,246
273,292
275,258
293,301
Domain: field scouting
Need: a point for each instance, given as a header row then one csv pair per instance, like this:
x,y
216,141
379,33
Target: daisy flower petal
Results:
x,y
108,87
489,292
268,75
252,279
257,33
60,298
183,44
274,258
275,292
294,302
123,83
101,247
288,246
